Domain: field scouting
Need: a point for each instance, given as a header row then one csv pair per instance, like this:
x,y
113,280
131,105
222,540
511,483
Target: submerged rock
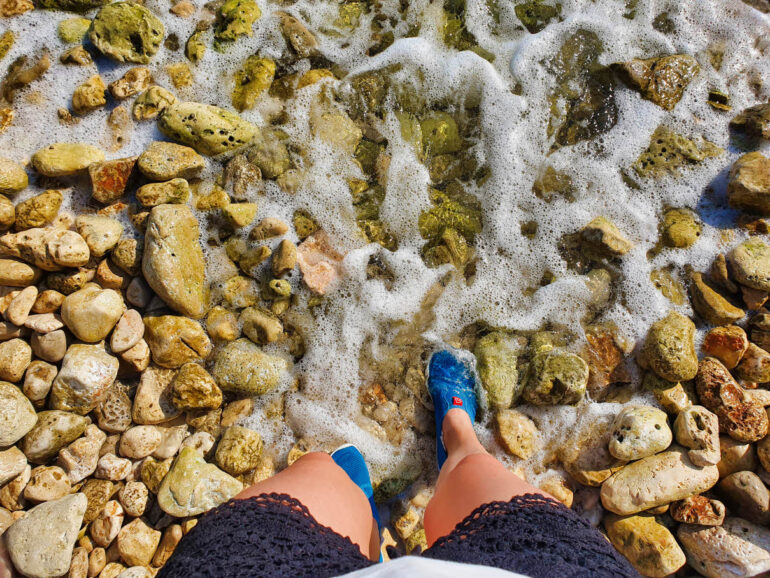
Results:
x,y
670,152
127,32
496,355
661,80
556,378
754,121
602,236
251,81
236,18
208,129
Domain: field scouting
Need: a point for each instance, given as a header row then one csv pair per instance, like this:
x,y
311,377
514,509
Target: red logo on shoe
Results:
x,y
456,401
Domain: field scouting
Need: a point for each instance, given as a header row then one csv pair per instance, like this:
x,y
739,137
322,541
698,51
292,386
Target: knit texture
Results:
x,y
275,535
531,535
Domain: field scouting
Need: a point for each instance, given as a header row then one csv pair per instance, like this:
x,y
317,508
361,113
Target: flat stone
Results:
x,y
18,415
736,549
243,368
587,459
17,274
100,233
654,481
62,159
86,373
173,263
163,161
518,433
59,522
128,331
194,486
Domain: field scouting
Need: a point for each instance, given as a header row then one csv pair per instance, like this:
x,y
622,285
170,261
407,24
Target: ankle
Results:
x,y
458,434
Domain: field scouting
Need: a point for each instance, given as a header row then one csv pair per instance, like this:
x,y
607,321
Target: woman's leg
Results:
x,y
330,496
469,478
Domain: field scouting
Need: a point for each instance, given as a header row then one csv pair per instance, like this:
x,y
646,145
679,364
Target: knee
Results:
x,y
315,460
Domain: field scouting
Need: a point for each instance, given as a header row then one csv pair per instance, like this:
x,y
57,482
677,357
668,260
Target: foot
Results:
x,y
350,459
451,385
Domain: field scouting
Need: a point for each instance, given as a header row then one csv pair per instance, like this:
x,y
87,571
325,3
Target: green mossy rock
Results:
x,y
269,153
669,349
243,368
496,354
73,30
534,15
661,80
253,79
670,152
440,134
208,129
71,5
236,18
556,378
680,229
453,209
127,32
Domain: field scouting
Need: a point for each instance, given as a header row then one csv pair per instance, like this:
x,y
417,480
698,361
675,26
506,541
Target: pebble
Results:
x,y
739,417
133,497
12,494
649,545
62,159
47,483
44,322
163,161
114,411
12,463
750,264
698,429
111,467
654,481
21,305
154,194
698,510
669,349
175,341
38,380
140,441
138,357
138,293
13,177
86,373
128,331
110,178
127,255
243,368
79,564
98,493
318,262
97,560
92,312
49,346
68,249
18,415
18,274
748,185
79,459
710,305
100,233
518,433
746,496
193,486
104,529
754,365
59,522
261,326
736,549
194,388
727,344
15,357
151,402
603,237
200,441
154,471
168,543
735,456
638,432
239,450
172,437
137,543
54,430
173,263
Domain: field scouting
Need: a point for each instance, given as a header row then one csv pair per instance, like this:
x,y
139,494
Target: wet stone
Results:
x,y
638,432
661,80
127,32
110,178
669,349
163,161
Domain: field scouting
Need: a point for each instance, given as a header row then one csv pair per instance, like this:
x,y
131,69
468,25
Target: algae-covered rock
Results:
x,y
193,486
173,263
336,129
269,153
236,18
556,377
451,209
439,134
748,187
62,159
239,450
583,101
54,430
38,211
253,79
602,237
669,152
297,35
669,349
535,15
754,121
195,47
175,340
496,356
661,80
680,229
127,32
243,368
71,5
750,263
208,129
648,544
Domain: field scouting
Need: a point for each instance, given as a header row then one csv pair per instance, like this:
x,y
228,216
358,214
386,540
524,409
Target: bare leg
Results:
x,y
469,478
330,495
